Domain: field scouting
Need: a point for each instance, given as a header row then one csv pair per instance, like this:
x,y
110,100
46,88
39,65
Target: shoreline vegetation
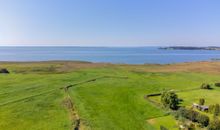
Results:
x,y
88,96
190,48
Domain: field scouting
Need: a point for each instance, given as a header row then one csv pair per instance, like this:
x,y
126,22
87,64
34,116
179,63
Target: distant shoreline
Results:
x,y
189,48
142,55
103,63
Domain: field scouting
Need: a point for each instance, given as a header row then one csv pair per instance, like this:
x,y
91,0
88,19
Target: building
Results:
x,y
200,107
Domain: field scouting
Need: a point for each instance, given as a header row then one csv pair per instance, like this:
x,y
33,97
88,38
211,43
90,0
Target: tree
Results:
x,y
216,110
170,99
201,101
214,124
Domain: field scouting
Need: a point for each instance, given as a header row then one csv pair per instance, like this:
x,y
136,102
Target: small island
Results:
x,y
190,48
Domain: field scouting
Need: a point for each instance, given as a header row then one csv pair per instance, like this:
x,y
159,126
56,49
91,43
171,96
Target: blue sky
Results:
x,y
110,22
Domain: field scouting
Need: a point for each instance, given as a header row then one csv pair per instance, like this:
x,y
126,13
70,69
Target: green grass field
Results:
x,y
32,98
167,121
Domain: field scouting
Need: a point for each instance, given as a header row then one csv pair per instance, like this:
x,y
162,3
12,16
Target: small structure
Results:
x,y
4,71
204,108
200,107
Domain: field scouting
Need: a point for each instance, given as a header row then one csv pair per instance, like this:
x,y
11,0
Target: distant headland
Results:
x,y
190,48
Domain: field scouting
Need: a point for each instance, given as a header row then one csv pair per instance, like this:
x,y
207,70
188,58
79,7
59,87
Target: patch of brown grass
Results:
x,y
197,67
49,66
69,66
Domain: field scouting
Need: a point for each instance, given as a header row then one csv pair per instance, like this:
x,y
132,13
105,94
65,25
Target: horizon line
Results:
x,y
106,46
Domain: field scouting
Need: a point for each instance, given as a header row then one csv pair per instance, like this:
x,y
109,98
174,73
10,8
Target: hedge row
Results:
x,y
194,116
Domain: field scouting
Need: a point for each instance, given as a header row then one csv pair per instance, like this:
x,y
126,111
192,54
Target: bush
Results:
x,y
211,108
201,101
217,84
203,120
214,124
205,86
188,114
216,110
182,112
4,71
163,128
170,99
194,116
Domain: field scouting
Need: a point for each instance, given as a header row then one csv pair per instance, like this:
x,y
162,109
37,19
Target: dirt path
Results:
x,y
74,117
69,104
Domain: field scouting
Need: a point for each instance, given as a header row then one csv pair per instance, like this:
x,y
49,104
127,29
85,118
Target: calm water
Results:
x,y
135,55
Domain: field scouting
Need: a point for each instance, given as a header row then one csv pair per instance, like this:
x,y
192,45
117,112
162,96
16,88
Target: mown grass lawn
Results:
x,y
168,122
34,101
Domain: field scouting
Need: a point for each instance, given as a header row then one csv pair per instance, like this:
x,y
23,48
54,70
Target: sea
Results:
x,y
118,55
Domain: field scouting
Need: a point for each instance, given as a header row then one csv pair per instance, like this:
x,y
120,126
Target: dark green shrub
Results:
x,y
163,128
181,112
217,84
201,101
192,115
4,71
205,86
211,108
214,124
188,114
203,120
216,110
